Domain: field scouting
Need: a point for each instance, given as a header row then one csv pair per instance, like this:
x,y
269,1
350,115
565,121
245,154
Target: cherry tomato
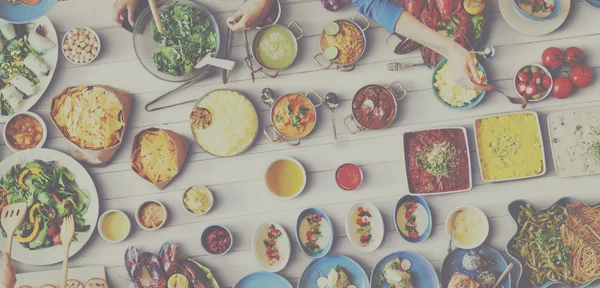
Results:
x,y
552,57
521,87
562,88
531,90
581,76
574,56
52,230
546,82
522,77
56,239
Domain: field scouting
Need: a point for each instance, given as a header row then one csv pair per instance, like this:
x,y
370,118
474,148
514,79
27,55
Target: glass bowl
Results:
x,y
144,45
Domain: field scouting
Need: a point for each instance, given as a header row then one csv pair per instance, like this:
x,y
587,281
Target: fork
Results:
x,y
11,218
67,232
397,66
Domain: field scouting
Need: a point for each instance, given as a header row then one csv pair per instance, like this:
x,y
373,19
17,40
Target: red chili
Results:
x,y
348,177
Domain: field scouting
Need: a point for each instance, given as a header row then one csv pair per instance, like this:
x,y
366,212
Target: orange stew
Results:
x,y
24,132
293,116
374,107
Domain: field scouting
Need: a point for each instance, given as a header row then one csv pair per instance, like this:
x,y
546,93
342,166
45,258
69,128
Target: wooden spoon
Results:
x,y
208,59
67,232
12,216
156,15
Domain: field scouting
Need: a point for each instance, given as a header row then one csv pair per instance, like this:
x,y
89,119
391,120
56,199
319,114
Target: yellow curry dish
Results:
x,y
510,146
348,39
293,116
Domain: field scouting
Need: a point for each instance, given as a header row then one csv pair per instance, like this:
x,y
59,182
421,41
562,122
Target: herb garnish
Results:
x,y
437,160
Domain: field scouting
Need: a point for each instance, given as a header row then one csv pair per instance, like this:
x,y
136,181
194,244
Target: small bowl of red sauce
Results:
x,y
349,176
217,240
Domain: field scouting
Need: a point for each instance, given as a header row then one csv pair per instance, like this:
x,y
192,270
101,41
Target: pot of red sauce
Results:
x,y
293,116
374,107
349,176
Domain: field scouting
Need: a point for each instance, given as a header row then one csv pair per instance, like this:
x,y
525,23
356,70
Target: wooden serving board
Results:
x,y
37,279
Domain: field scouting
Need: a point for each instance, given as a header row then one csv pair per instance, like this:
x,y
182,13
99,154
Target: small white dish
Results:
x,y
137,215
530,27
376,223
303,175
208,194
38,118
484,234
101,232
92,32
260,250
541,67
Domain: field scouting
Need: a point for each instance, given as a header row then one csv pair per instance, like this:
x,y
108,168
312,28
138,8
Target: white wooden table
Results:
x,y
241,199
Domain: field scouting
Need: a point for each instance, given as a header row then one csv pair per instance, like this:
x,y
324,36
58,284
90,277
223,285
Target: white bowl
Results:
x,y
215,226
137,215
128,223
541,67
92,32
303,175
377,227
486,228
210,196
259,250
38,118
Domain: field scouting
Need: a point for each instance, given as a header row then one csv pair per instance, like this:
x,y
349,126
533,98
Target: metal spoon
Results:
x,y
487,52
332,102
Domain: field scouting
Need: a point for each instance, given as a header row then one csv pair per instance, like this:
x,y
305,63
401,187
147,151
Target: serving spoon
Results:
x,y
332,102
487,52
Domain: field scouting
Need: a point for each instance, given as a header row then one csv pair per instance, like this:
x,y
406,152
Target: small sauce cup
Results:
x,y
105,234
222,234
141,208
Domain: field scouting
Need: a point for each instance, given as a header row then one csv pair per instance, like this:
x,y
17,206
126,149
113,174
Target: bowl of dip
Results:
x,y
151,215
349,176
285,178
25,131
275,47
217,240
544,9
469,225
197,200
114,226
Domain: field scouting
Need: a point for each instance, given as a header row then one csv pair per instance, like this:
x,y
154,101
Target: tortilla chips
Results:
x,y
89,117
155,157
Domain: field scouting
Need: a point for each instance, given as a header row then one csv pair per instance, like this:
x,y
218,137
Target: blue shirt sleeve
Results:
x,y
384,12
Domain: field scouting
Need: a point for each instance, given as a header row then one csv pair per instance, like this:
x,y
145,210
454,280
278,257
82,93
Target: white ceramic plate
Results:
x,y
51,58
537,118
377,228
260,251
37,279
51,255
530,27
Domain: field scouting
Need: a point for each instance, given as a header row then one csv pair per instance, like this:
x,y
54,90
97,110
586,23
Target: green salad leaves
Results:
x,y
188,35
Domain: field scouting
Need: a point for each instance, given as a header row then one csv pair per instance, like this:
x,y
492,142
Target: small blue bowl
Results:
x,y
21,13
522,282
421,201
469,105
557,6
326,225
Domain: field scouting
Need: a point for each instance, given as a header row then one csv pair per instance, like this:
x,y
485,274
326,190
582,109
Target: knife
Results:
x,y
248,54
227,51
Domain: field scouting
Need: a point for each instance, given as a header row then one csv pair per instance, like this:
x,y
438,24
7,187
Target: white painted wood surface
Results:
x,y
241,198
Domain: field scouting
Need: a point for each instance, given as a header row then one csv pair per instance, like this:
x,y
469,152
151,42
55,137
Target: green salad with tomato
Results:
x,y
51,194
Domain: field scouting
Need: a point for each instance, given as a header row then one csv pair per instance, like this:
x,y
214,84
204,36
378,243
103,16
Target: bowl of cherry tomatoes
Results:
x,y
534,82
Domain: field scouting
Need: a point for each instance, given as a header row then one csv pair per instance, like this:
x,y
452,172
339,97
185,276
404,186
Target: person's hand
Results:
x,y
464,69
249,15
8,277
124,10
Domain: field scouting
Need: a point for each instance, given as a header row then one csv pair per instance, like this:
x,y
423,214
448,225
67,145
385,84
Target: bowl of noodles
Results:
x,y
24,11
553,246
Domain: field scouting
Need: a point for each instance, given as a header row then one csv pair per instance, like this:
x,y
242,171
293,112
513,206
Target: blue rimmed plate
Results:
x,y
513,209
21,13
263,280
453,263
325,240
400,221
321,267
422,272
469,105
555,11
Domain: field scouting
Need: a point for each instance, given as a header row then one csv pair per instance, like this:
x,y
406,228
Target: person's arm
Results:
x,y
250,14
124,10
395,19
